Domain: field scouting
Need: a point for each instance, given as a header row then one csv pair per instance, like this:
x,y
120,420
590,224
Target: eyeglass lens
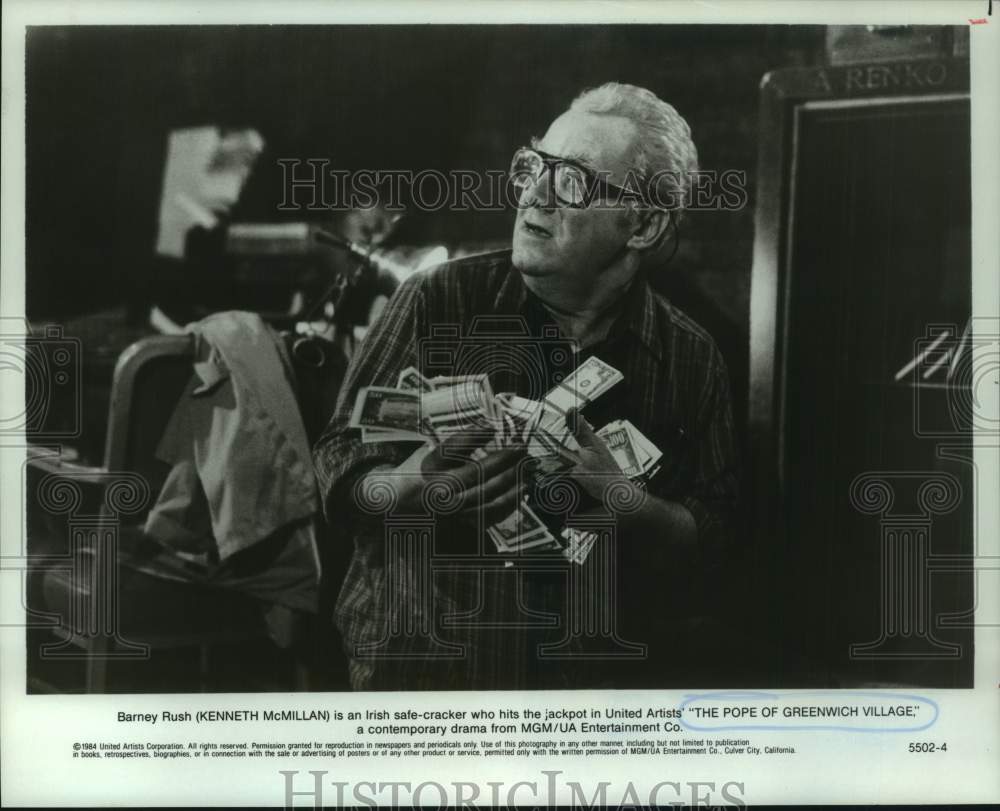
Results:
x,y
568,181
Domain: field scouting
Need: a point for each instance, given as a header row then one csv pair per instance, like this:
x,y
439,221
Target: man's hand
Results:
x,y
596,469
446,475
598,473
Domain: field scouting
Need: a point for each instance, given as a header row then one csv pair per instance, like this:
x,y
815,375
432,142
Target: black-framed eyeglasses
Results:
x,y
572,184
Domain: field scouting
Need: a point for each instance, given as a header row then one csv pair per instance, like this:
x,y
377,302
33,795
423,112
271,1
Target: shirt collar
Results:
x,y
638,316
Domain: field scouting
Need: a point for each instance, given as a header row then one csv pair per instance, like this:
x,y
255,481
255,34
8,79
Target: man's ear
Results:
x,y
650,228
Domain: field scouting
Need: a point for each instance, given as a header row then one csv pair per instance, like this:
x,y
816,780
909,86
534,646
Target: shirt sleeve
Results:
x,y
714,496
390,346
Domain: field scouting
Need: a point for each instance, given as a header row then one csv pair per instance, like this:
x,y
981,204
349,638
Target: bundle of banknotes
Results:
x,y
432,409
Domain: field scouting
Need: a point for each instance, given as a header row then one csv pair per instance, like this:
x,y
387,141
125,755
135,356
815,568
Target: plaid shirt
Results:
x,y
426,606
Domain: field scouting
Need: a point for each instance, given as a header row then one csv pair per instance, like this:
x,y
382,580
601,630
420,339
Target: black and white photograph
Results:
x,y
411,361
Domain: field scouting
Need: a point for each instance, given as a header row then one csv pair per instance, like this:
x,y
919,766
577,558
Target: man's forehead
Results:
x,y
598,141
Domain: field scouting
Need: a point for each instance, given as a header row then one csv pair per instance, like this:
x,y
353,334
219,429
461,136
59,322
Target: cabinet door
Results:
x,y
868,493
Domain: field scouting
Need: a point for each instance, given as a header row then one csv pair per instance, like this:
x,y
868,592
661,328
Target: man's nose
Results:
x,y
538,193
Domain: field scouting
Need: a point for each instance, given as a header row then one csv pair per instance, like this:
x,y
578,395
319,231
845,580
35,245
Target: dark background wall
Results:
x,y
101,100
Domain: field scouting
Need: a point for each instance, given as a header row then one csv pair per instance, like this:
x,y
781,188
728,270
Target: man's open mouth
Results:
x,y
536,230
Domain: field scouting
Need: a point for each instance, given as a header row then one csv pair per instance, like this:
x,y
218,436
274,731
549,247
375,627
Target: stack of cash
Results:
x,y
638,458
432,409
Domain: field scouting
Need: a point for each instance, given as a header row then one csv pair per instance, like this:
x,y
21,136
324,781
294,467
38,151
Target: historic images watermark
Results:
x,y
544,791
312,184
50,364
80,508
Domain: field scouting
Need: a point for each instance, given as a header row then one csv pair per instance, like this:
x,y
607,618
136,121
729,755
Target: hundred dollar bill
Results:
x,y
649,454
620,442
636,455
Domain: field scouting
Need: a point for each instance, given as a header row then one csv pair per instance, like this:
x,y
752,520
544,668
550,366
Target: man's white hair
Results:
x,y
663,149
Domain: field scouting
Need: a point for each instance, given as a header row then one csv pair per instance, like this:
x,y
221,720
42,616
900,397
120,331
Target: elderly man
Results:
x,y
597,196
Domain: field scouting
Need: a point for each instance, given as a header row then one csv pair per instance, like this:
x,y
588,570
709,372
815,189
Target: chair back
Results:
x,y
149,379
153,373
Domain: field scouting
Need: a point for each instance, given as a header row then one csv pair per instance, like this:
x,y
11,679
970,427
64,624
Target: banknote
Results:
x,y
585,384
432,409
520,531
622,447
377,407
410,378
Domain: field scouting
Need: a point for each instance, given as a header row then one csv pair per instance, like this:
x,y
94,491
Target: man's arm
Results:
x,y
340,457
714,495
660,518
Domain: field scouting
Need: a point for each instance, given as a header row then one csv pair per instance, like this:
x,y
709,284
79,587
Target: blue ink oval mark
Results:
x,y
775,723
